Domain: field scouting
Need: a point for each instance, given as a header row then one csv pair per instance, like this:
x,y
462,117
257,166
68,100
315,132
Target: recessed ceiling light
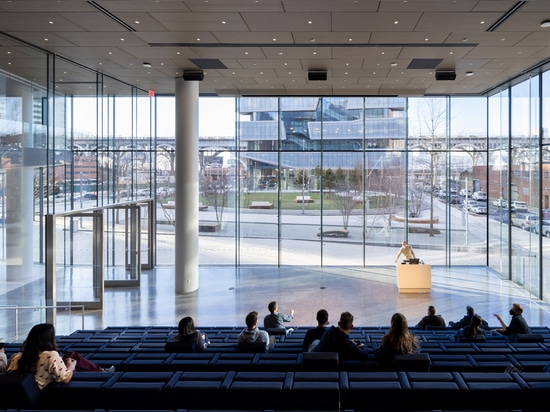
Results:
x,y
469,73
394,64
147,64
545,23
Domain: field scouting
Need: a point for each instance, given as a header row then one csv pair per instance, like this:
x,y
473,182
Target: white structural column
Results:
x,y
19,191
187,186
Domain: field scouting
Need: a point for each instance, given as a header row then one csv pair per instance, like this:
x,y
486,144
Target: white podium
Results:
x,y
414,278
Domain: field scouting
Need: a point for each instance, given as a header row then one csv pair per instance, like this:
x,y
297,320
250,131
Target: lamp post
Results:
x,y
303,175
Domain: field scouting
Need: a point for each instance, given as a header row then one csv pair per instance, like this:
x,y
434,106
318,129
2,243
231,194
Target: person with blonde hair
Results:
x,y
397,341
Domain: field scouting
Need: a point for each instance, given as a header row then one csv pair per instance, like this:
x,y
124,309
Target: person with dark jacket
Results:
x,y
467,319
518,325
432,320
336,339
473,330
315,334
276,319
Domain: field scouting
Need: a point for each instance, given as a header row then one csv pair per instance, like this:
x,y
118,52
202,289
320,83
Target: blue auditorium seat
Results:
x,y
259,390
494,391
413,362
86,390
372,390
19,391
138,390
148,361
320,361
199,390
313,390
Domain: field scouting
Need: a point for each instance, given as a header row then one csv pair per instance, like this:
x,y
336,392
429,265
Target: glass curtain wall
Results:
x,y
341,181
545,182
525,184
73,140
304,181
498,172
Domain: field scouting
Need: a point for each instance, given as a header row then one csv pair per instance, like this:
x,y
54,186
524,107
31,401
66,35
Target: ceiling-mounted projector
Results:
x,y
193,75
445,75
317,75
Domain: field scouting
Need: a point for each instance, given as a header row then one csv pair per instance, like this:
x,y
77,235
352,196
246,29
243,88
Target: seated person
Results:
x,y
397,341
315,334
473,330
40,357
189,336
431,320
251,334
3,360
336,339
275,319
465,321
518,325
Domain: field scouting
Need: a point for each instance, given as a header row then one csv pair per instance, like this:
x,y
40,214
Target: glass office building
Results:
x,y
311,181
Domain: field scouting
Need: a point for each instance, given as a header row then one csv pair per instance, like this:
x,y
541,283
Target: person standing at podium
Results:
x,y
407,252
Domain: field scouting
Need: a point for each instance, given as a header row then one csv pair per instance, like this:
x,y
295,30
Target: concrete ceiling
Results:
x,y
267,47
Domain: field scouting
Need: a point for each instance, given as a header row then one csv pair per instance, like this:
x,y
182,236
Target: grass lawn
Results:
x,y
288,200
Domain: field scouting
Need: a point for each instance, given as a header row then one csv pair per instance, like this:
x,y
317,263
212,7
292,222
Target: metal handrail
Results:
x,y
17,308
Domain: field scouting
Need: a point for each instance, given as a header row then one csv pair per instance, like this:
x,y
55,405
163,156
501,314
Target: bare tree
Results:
x,y
344,196
432,114
416,199
215,190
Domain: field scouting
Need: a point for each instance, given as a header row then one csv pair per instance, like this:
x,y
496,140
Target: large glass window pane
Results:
x,y
221,179
260,131
427,142
499,188
525,185
468,174
545,176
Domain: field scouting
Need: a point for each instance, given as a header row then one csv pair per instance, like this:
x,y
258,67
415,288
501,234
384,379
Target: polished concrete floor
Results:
x,y
227,294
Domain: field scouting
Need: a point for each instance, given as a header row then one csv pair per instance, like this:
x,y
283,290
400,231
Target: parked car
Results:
x,y
545,228
502,216
465,192
517,206
526,221
480,209
479,196
89,196
454,199
500,203
469,204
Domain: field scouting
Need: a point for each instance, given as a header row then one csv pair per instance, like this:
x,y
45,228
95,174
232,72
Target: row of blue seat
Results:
x,y
229,334
91,343
399,391
295,362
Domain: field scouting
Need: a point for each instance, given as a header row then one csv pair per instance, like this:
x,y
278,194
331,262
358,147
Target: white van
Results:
x,y
479,196
517,206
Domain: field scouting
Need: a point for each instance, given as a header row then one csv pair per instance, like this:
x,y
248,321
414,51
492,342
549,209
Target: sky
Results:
x,y
216,116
